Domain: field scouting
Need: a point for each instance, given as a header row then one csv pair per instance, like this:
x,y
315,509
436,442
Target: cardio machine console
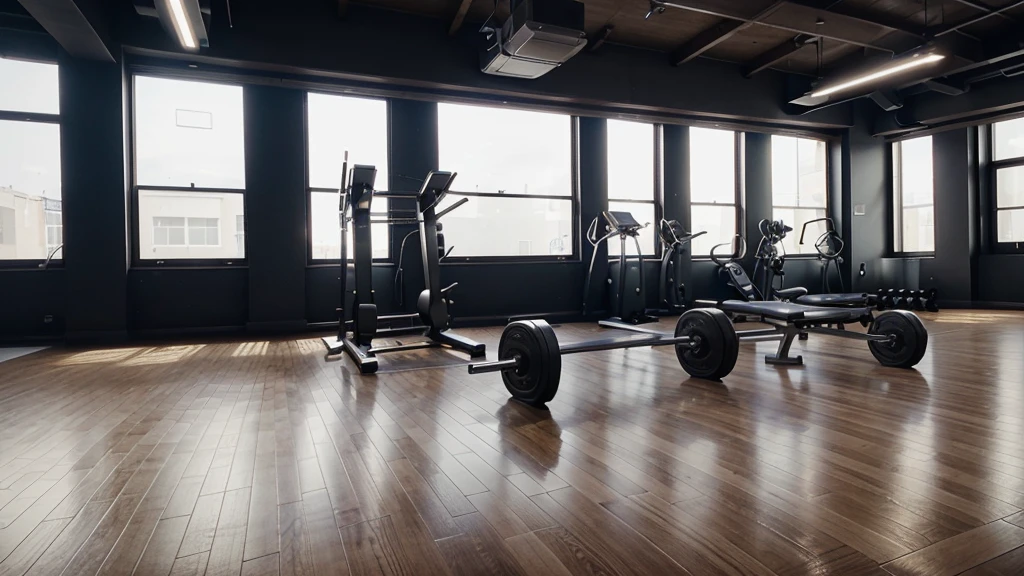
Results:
x,y
622,221
363,176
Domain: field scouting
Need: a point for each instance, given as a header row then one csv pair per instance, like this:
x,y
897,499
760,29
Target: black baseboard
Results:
x,y
277,327
96,336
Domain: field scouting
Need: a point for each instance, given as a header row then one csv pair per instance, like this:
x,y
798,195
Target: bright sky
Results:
x,y
29,151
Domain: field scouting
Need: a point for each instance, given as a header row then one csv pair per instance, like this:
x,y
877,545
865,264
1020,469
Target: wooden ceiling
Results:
x,y
701,30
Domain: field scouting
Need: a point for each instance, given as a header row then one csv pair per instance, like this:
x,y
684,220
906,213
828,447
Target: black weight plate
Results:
x,y
366,323
909,345
717,347
535,380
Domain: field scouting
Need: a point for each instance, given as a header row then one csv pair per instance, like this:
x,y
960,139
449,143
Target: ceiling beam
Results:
x,y
79,26
706,40
807,18
781,52
460,17
601,37
717,34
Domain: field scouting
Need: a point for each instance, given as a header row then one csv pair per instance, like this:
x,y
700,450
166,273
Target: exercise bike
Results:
x,y
433,303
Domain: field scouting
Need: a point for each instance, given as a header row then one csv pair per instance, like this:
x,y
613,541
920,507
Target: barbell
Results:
x,y
530,357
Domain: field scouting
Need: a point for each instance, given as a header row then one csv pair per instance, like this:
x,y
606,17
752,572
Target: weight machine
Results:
x,y
432,313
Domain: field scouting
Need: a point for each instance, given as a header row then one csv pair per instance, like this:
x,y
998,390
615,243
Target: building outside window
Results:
x,y
518,180
31,224
190,171
913,196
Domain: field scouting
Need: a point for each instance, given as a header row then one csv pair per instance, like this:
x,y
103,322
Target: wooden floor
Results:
x,y
261,458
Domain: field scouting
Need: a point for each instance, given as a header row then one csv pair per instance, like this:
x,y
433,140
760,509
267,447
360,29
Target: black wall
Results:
x,y
96,294
960,269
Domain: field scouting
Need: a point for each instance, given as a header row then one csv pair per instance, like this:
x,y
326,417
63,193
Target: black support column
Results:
x,y
676,194
275,207
593,188
93,187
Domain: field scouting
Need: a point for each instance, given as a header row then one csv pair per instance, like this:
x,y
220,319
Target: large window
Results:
x,y
1008,166
799,189
631,180
516,168
31,226
714,188
189,171
339,124
913,196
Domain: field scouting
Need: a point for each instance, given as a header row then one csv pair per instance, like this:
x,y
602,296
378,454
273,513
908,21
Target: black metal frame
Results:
x,y
739,158
993,174
828,194
312,262
573,198
35,118
896,205
137,262
659,192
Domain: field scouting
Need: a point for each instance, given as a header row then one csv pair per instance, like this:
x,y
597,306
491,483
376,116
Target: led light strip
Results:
x,y
914,63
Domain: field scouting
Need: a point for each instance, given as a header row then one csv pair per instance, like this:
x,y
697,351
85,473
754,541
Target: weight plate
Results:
x,y
535,380
715,346
366,323
909,343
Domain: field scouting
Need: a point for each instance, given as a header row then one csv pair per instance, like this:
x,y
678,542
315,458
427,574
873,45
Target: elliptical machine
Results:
x,y
623,225
671,290
433,302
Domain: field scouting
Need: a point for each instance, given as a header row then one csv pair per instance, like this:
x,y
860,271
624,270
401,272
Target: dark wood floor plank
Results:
x,y
295,541
697,547
478,550
325,543
59,554
263,566
1010,563
618,544
534,556
229,540
194,565
962,552
431,509
162,548
507,492
32,547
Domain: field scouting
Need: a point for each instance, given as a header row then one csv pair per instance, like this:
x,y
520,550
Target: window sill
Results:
x,y
195,266
912,255
29,266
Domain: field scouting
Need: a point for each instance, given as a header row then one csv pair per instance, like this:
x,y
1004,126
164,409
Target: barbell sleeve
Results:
x,y
496,366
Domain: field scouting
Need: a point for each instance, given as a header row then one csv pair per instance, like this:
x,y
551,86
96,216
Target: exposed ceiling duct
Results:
x,y
538,37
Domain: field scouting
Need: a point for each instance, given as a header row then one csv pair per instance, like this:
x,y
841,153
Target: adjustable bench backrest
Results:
x,y
739,280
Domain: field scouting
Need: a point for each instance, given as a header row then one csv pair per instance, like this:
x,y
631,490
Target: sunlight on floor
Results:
x,y
98,356
251,349
164,355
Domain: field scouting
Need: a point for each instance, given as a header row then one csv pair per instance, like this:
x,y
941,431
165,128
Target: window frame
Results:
x,y
658,199
573,197
136,261
993,174
896,203
39,118
828,194
739,152
312,262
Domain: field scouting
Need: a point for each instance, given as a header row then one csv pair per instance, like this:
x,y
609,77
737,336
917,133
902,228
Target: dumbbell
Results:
x,y
902,299
917,300
929,302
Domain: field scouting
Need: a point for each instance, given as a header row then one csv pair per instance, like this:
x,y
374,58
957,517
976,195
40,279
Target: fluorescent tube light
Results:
x,y
896,69
181,25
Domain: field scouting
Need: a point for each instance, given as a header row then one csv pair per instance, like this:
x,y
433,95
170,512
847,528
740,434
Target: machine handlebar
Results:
x,y
742,252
